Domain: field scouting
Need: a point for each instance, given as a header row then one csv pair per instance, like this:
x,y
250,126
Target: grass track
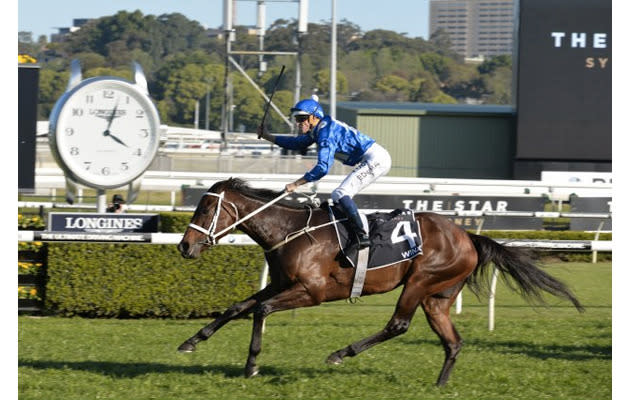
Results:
x,y
534,353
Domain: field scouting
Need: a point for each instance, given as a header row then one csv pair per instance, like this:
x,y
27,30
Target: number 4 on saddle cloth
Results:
x,y
394,237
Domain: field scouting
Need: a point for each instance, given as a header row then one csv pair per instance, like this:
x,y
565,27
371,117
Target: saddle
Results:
x,y
394,237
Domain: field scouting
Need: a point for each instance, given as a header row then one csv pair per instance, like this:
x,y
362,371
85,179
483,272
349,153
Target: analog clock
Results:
x,y
104,131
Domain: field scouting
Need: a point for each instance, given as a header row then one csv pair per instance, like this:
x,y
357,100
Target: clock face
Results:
x,y
105,132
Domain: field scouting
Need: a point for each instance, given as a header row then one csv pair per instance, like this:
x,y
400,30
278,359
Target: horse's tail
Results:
x,y
520,265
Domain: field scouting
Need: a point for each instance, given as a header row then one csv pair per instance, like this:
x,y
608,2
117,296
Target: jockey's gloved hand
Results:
x,y
264,134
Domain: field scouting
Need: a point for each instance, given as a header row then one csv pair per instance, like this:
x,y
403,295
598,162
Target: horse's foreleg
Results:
x,y
436,310
397,325
294,297
235,311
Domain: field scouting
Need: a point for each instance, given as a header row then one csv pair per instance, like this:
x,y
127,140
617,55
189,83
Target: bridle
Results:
x,y
211,236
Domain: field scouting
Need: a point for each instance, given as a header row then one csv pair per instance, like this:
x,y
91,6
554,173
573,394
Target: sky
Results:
x,y
43,17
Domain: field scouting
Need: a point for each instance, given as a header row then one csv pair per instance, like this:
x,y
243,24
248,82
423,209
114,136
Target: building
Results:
x,y
62,33
476,28
439,140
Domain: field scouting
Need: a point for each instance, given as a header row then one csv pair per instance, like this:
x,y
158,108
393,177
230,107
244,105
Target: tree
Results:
x,y
178,58
441,43
52,84
322,82
426,89
497,86
434,63
117,37
496,79
175,62
393,87
125,73
460,80
184,87
490,65
249,104
380,38
90,60
347,33
284,100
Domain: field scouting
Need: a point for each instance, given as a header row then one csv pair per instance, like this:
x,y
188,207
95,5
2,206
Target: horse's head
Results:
x,y
213,215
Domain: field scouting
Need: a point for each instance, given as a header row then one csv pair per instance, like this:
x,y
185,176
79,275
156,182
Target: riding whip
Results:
x,y
262,123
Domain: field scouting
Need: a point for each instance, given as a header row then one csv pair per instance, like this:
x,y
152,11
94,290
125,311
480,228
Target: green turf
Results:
x,y
534,353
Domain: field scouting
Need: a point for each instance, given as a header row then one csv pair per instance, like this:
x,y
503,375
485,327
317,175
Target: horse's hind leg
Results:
x,y
295,297
231,313
436,310
397,325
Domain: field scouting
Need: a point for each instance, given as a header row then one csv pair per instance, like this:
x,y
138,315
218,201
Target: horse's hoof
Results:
x,y
334,359
186,348
250,372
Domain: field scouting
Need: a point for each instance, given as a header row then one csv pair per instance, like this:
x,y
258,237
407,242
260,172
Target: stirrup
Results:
x,y
363,241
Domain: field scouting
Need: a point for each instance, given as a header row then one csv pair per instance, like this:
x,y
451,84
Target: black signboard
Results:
x,y
417,203
103,223
28,85
463,205
565,80
591,205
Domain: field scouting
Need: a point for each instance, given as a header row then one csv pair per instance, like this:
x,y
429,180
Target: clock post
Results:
x,y
104,133
101,201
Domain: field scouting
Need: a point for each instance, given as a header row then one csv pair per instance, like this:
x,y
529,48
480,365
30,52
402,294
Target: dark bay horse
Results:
x,y
304,271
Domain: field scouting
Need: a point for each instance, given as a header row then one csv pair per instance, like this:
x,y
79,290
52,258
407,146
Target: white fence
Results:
x,y
458,213
239,239
52,178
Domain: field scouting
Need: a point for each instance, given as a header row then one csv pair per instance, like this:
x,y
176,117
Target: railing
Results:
x,y
52,178
459,213
239,239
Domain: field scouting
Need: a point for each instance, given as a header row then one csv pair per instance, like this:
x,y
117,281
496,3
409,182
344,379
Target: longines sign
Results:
x,y
102,223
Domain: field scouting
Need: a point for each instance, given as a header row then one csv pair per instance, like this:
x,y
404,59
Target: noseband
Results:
x,y
210,232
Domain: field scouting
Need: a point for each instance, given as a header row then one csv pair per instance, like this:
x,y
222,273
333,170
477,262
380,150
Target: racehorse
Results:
x,y
301,250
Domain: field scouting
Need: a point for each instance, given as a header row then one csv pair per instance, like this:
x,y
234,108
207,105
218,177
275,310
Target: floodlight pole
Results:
x,y
301,30
228,32
333,60
228,12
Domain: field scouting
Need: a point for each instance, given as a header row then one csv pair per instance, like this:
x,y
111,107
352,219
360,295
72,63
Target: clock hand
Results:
x,y
109,124
111,117
107,133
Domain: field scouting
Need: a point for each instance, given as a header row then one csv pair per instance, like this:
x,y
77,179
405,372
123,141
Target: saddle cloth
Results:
x,y
394,237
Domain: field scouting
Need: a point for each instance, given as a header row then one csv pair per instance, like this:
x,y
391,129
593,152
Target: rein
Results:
x,y
303,231
211,235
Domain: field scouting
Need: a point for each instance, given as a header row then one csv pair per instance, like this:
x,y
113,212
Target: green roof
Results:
x,y
408,108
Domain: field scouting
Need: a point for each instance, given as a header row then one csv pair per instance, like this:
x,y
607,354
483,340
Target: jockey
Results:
x,y
335,139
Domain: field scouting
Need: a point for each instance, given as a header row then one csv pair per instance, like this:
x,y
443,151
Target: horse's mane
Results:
x,y
261,194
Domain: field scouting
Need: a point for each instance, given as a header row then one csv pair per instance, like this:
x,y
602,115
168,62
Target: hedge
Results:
x,y
134,280
174,221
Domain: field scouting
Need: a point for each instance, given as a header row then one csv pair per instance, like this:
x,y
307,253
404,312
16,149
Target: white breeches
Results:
x,y
375,163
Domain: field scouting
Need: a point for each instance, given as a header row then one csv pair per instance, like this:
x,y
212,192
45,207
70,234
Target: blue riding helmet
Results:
x,y
308,107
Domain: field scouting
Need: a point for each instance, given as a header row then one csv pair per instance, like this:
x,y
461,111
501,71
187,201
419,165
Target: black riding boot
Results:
x,y
351,211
